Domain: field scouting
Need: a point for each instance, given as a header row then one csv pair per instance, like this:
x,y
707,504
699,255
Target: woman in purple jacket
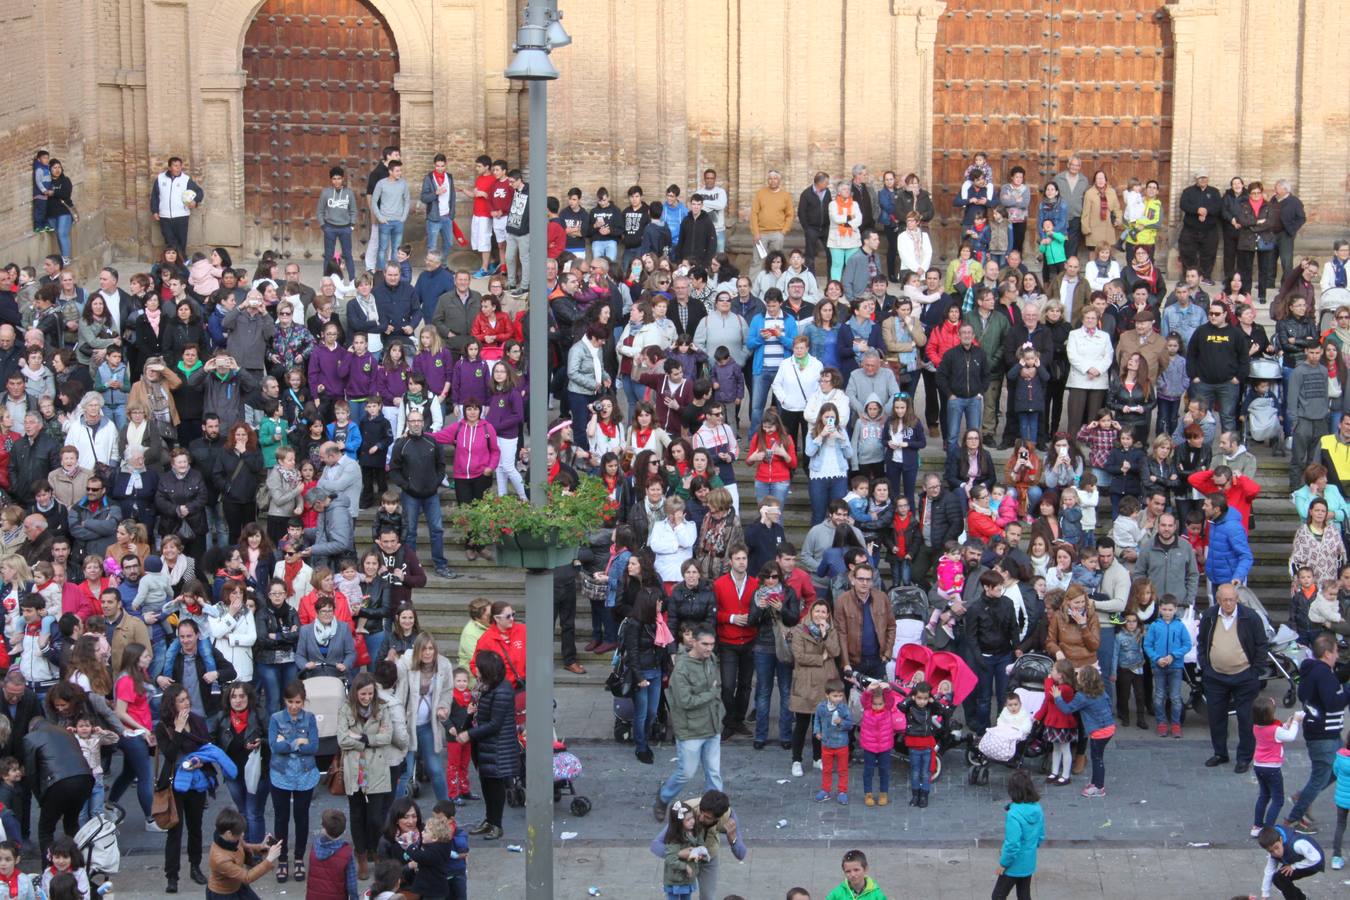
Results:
x,y
328,366
506,413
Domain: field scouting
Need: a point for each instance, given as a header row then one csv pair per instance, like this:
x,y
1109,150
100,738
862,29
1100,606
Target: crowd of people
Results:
x,y
185,459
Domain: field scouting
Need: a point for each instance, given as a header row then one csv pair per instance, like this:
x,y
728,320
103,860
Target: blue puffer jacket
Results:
x,y
293,768
1230,556
197,779
1167,639
1023,831
1341,770
1096,712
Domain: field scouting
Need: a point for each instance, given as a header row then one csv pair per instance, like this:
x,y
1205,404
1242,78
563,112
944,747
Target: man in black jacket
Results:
x,y
942,518
698,235
991,629
1201,209
31,458
56,773
204,451
1031,332
1325,700
1217,363
1231,648
1292,218
417,467
962,377
813,212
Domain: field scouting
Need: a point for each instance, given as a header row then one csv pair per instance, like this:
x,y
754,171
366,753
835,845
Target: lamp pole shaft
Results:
x,y
539,583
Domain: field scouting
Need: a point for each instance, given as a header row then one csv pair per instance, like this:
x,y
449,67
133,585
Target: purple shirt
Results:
x,y
361,375
506,411
435,368
470,381
329,369
391,383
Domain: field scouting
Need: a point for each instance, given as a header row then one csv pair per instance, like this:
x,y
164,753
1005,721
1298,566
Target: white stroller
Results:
x,y
97,841
1262,413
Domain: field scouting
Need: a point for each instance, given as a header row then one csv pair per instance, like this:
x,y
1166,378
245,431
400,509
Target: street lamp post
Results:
x,y
540,31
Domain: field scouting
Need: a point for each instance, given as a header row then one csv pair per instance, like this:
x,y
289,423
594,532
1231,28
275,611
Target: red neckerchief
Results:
x,y
463,698
682,467
13,882
238,720
553,471
292,569
439,176
641,436
33,629
609,429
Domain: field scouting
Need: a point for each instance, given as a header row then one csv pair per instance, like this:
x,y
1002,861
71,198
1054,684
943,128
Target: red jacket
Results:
x,y
1049,714
771,469
801,582
729,604
941,339
557,239
509,645
981,526
1241,492
499,326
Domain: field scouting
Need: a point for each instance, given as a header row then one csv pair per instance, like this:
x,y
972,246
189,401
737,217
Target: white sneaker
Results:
x,y
151,827
1256,832
819,765
796,770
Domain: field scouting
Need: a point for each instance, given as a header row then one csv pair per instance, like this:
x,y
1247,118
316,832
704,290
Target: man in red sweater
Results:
x,y
1238,489
733,593
797,579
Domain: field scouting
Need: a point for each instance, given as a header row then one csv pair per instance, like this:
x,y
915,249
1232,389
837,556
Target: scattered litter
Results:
x,y
782,781
593,891
1106,824
1197,844
568,835
1142,802
515,848
781,823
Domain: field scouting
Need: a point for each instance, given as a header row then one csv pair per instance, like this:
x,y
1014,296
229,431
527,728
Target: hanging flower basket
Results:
x,y
536,537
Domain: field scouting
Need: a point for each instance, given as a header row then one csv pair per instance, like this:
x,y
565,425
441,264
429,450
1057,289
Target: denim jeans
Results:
x,y
609,250
391,235
375,647
1028,425
1269,795
274,678
135,767
62,224
1167,687
441,236
993,675
251,805
1106,659
767,668
646,702
334,236
1168,415
93,805
879,764
1322,754
822,491
1222,398
690,755
759,396
427,757
920,761
431,508
1097,751
217,532
970,407
777,489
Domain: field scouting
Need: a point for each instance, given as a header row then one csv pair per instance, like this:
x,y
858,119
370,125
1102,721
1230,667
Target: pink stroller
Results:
x,y
919,663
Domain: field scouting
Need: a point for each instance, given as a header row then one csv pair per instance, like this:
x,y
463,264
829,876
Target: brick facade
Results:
x,y
738,85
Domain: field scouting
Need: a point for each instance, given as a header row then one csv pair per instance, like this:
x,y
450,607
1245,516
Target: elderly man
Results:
x,y
341,475
434,281
37,540
332,537
1072,188
872,378
1292,217
1201,210
399,311
249,331
1231,648
31,458
813,212
1147,342
417,467
93,436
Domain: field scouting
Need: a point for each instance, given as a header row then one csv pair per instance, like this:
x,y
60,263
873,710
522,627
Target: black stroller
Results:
x,y
1027,679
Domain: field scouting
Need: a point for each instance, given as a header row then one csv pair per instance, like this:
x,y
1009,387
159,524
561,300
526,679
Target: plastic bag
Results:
x,y
253,771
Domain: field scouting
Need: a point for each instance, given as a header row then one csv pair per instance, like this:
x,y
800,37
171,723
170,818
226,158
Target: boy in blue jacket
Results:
x,y
1165,645
831,726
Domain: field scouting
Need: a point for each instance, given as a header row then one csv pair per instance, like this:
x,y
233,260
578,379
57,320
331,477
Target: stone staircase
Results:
x,y
443,605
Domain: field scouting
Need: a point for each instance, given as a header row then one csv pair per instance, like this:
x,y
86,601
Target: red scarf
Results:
x,y
290,572
641,437
238,720
553,471
609,429
463,698
13,882
846,211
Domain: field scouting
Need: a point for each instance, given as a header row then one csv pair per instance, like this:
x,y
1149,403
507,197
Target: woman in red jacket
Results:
x,y
941,339
493,328
506,638
774,456
980,521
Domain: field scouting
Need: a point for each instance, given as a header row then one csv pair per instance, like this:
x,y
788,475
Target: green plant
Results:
x,y
567,516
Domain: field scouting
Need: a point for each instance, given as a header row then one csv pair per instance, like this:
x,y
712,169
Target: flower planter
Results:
x,y
527,551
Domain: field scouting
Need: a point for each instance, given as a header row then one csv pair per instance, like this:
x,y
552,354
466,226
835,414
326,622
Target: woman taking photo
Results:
x,y
364,728
431,684
829,449
277,631
293,736
672,541
774,456
494,737
645,660
1090,358
179,734
242,730
818,655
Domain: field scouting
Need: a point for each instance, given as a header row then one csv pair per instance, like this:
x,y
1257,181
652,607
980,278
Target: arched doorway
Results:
x,y
319,92
1032,84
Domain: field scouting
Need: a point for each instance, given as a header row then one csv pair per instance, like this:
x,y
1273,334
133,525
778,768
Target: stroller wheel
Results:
x,y
620,732
984,775
936,772
515,794
1290,698
581,806
973,757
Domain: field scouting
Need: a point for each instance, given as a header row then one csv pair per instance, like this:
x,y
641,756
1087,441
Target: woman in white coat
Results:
x,y
1090,355
916,248
672,542
233,632
431,685
796,382
845,234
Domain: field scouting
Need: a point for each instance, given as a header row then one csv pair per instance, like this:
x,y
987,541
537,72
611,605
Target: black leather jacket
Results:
x,y
51,754
692,606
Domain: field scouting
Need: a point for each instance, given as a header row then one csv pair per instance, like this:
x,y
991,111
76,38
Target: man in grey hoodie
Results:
x,y
332,536
872,378
1308,408
337,217
389,205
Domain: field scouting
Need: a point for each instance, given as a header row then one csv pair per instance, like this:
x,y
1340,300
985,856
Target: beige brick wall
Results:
x,y
652,91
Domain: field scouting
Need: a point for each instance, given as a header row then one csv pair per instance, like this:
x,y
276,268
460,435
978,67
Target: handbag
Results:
x,y
263,498
782,646
337,781
163,808
253,771
664,638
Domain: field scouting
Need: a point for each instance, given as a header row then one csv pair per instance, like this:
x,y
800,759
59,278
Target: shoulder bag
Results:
x,y
163,808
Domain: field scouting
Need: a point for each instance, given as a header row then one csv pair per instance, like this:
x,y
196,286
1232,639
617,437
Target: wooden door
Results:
x,y
319,93
1030,82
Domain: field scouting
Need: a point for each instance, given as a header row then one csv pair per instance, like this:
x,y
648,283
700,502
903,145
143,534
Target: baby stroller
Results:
x,y
566,768
1027,680
324,696
910,606
1284,654
1262,411
917,662
97,841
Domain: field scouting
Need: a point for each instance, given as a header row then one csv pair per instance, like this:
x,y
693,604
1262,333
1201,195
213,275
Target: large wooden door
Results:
x,y
319,93
1030,82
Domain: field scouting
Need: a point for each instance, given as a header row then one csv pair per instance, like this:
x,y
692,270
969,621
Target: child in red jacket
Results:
x,y
1061,728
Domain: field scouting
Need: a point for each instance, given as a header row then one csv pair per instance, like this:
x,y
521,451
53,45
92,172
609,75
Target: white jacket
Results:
x,y
233,638
1089,352
793,388
840,401
853,239
672,545
96,443
914,259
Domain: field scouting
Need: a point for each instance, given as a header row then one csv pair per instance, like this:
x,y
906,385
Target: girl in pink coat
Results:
x,y
881,719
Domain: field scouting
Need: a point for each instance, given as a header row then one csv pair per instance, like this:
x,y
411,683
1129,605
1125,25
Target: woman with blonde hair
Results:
x,y
431,684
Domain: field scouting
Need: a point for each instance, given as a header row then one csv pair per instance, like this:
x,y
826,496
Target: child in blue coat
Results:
x,y
1165,646
1023,832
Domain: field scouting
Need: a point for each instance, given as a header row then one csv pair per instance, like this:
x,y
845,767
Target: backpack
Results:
x,y
1263,419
